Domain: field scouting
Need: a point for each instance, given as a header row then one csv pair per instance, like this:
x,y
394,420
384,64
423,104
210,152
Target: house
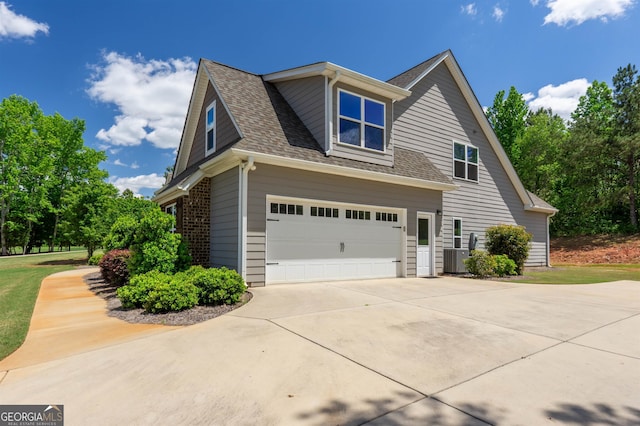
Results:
x,y
322,173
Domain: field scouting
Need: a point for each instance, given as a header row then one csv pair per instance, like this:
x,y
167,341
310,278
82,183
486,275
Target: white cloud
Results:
x,y
534,2
152,97
498,13
565,12
135,165
119,163
562,99
13,25
135,183
469,9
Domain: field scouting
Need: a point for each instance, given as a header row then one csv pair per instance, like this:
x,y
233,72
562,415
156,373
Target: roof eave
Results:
x,y
347,76
342,171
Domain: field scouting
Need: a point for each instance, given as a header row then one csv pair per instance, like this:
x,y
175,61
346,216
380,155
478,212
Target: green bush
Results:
x,y
95,259
511,240
121,234
135,294
504,265
219,286
155,247
480,264
114,267
174,296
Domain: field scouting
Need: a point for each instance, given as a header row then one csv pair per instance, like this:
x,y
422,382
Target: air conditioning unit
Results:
x,y
453,261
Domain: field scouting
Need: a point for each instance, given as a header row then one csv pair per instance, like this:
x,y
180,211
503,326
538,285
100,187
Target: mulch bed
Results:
x,y
139,316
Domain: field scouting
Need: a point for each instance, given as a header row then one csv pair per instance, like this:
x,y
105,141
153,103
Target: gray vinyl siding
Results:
x,y
279,181
226,132
256,248
357,153
307,98
224,219
430,120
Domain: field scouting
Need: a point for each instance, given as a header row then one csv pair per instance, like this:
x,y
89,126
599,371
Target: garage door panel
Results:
x,y
301,247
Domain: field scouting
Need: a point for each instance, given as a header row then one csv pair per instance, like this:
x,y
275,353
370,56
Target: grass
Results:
x,y
20,278
582,274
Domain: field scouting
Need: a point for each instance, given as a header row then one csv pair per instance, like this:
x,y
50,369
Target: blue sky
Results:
x,y
127,67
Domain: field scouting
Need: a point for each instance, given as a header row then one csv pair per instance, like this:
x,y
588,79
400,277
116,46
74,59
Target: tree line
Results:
x,y
588,167
52,190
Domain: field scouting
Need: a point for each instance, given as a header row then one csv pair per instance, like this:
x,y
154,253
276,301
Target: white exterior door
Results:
x,y
424,249
318,241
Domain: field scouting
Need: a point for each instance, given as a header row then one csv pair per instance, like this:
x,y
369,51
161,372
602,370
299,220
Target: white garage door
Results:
x,y
317,241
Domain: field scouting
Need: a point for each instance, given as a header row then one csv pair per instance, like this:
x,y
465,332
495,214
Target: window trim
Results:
x,y
362,122
453,232
208,127
465,161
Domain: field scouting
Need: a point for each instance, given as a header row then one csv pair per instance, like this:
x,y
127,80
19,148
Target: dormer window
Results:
x,y
361,121
210,131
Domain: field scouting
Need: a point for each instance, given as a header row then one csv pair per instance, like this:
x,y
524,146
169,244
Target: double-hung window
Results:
x,y
457,233
210,131
361,121
465,161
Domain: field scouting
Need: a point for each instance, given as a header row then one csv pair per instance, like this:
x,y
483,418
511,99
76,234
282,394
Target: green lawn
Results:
x,y
20,278
582,274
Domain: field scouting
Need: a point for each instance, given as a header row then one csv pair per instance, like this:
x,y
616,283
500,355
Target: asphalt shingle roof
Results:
x,y
270,126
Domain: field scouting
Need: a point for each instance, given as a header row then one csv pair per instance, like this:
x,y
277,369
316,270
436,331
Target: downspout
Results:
x,y
246,166
329,135
549,216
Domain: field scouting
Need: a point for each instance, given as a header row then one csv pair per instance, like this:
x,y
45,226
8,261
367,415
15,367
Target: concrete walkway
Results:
x,y
68,319
440,351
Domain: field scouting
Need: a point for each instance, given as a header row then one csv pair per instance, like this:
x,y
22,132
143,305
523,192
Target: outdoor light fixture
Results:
x,y
439,212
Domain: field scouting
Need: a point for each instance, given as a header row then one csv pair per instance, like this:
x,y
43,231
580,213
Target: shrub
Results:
x,y
218,286
510,240
504,265
121,234
114,267
95,260
135,294
154,246
480,264
173,296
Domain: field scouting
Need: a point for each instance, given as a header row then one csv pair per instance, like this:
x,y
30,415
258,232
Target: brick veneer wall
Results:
x,y
193,221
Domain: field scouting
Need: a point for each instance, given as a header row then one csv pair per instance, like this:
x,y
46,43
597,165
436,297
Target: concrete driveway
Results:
x,y
442,351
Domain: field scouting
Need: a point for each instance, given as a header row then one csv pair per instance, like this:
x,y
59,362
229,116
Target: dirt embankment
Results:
x,y
596,249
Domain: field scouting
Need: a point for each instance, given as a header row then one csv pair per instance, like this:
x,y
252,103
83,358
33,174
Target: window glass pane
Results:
x,y
395,217
349,132
384,217
321,211
274,207
283,208
367,215
291,209
423,232
378,216
457,227
350,105
314,211
457,243
458,169
209,140
472,155
473,172
335,212
373,112
458,151
347,214
361,215
373,138
299,210
210,116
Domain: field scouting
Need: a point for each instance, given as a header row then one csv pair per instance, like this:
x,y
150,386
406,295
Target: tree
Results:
x,y
536,152
507,117
84,204
20,154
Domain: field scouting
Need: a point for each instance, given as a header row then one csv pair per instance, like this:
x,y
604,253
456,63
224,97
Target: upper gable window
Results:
x,y
210,131
361,121
465,161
